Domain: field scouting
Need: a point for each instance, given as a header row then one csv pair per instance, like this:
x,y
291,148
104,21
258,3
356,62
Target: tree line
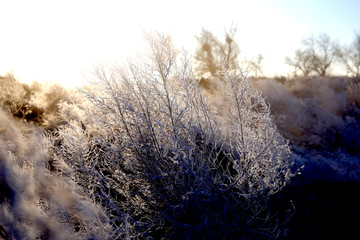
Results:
x,y
319,53
315,57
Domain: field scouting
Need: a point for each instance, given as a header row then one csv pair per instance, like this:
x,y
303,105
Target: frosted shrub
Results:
x,y
35,203
260,154
164,164
353,91
35,103
319,116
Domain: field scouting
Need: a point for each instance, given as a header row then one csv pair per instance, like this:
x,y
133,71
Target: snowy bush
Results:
x,y
166,164
319,116
35,103
34,202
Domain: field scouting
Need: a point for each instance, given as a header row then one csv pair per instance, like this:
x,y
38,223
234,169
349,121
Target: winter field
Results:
x,y
145,152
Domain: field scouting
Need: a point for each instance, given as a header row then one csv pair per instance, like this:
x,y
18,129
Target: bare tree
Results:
x,y
323,51
350,56
316,56
301,62
255,65
213,56
229,50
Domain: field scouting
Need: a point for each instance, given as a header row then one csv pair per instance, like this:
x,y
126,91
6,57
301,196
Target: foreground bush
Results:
x,y
162,162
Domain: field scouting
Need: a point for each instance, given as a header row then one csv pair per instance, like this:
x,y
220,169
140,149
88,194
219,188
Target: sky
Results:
x,y
63,41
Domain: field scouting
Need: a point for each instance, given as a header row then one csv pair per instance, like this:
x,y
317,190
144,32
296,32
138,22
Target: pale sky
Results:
x,y
61,41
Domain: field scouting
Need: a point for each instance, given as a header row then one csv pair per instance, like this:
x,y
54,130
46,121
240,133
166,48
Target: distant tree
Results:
x,y
301,62
323,51
255,65
350,56
316,56
213,56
